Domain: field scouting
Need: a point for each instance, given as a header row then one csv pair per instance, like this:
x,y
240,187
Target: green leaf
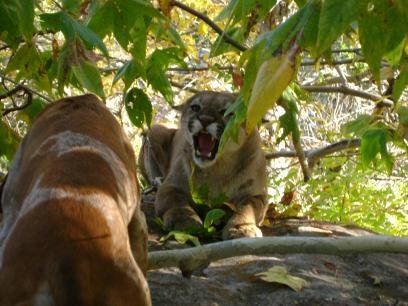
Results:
x,y
72,5
9,141
131,18
214,216
25,17
357,126
100,17
61,21
157,66
374,142
380,31
232,130
129,72
26,60
199,194
280,275
403,115
401,82
288,121
31,112
335,18
181,237
163,30
89,77
138,107
220,46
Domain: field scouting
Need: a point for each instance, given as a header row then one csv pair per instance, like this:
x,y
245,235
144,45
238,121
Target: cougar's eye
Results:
x,y
195,108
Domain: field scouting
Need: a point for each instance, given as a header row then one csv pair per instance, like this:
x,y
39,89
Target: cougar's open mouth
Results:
x,y
205,145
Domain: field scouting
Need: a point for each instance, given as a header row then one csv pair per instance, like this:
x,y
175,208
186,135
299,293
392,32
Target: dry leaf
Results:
x,y
280,275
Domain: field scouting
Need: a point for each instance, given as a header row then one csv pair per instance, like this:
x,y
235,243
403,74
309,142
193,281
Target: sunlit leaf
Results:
x,y
181,237
214,216
373,143
280,275
237,111
273,77
357,126
288,121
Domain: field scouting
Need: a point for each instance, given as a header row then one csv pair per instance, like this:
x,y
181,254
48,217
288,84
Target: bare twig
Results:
x,y
336,80
192,259
13,92
184,87
26,88
300,153
349,91
332,63
350,50
314,155
211,23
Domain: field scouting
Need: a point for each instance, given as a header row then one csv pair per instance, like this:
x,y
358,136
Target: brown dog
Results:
x,y
70,203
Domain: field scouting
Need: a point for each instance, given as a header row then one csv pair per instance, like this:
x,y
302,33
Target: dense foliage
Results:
x,y
291,61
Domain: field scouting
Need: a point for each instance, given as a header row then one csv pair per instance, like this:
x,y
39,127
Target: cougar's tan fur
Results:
x,y
238,173
73,232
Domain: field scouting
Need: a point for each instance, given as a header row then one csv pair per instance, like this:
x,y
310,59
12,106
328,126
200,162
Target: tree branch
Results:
x,y
13,92
314,155
211,23
26,88
191,259
332,63
349,91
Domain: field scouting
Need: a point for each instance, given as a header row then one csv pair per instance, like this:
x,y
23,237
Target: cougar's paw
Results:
x,y
181,218
233,231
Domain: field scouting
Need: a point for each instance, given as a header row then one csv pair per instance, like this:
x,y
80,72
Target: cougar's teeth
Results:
x,y
209,154
197,152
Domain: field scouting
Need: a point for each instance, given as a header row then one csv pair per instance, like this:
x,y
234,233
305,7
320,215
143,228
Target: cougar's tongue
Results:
x,y
205,143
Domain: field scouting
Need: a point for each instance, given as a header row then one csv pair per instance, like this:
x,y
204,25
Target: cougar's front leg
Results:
x,y
173,205
248,214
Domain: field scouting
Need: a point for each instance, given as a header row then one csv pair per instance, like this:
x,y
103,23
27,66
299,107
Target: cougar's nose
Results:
x,y
206,120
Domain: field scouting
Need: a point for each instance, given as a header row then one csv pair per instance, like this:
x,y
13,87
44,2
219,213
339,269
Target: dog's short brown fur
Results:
x,y
70,204
188,156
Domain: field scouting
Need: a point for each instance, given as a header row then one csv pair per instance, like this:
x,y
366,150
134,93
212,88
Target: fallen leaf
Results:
x,y
331,266
280,275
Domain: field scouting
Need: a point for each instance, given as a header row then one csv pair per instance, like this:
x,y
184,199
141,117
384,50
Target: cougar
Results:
x,y
188,157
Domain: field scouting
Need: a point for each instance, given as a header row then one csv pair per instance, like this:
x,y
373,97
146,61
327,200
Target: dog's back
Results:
x,y
68,200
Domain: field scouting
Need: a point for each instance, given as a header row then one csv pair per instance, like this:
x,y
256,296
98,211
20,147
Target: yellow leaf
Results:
x,y
280,275
202,29
272,78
